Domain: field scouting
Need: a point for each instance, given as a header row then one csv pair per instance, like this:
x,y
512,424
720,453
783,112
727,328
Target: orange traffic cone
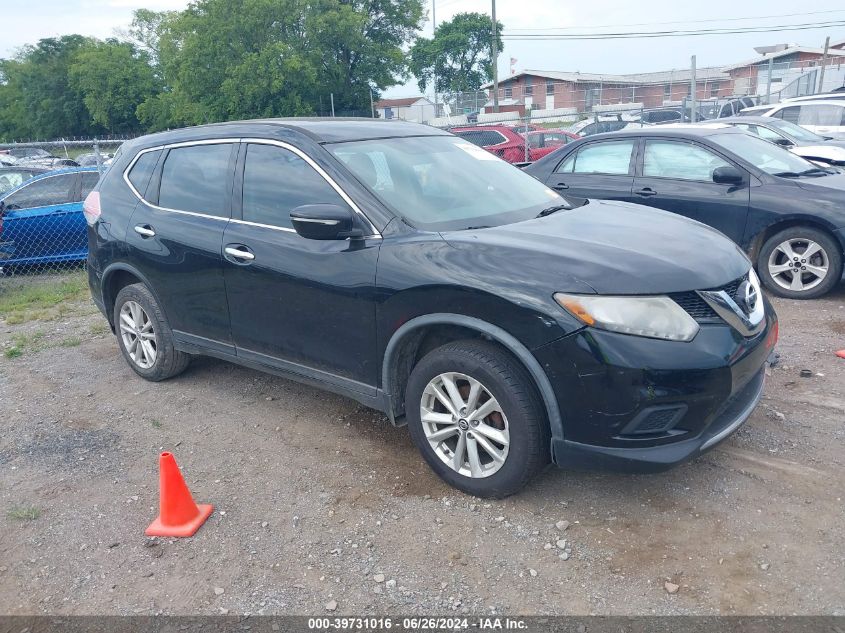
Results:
x,y
178,514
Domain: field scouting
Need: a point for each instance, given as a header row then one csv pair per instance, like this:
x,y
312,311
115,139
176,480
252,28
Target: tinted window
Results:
x,y
682,161
195,179
143,168
609,157
482,138
820,114
89,181
790,114
42,193
276,181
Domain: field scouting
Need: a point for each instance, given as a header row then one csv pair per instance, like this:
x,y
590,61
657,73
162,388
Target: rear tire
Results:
x,y
494,454
144,335
786,272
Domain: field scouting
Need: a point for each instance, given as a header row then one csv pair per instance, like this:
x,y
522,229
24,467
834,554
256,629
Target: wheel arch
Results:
x,y
117,276
762,236
403,349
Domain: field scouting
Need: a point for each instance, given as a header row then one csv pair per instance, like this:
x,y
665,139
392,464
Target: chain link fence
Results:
x,y
42,188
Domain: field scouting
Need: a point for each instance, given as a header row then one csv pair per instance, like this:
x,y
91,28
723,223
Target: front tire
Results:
x,y
144,336
474,414
800,263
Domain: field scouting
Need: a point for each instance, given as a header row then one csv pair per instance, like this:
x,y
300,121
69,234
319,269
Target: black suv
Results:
x,y
422,276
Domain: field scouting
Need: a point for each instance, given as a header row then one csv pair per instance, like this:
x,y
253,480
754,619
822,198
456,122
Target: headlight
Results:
x,y
654,317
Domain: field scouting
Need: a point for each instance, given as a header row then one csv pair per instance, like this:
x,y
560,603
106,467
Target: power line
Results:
x,y
608,26
654,34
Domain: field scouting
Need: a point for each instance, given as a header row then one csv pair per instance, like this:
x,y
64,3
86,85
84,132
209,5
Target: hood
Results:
x,y
828,152
833,184
611,247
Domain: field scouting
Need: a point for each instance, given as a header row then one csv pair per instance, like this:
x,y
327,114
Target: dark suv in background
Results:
x,y
504,325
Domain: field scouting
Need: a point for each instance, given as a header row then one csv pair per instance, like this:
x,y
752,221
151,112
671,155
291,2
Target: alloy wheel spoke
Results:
x,y
452,390
460,451
777,269
812,249
500,437
475,389
128,329
491,450
444,433
797,282
818,271
435,417
485,409
135,309
786,249
133,346
147,336
444,399
472,453
149,351
125,318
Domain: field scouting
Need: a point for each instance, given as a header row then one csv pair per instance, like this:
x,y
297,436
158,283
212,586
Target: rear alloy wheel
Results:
x,y
475,415
800,263
144,336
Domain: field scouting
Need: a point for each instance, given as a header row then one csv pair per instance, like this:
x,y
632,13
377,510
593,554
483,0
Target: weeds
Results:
x,y
23,513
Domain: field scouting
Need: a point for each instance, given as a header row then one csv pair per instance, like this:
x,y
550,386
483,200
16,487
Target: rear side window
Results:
x,y
89,181
141,171
43,193
483,138
276,181
196,178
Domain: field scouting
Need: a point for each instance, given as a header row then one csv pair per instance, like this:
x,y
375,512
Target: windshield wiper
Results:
x,y
480,226
807,172
550,210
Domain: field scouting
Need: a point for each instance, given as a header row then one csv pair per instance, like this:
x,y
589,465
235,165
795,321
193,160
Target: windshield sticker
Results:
x,y
479,153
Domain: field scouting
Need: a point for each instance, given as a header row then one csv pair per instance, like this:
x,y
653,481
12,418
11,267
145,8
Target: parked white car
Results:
x,y
824,117
827,96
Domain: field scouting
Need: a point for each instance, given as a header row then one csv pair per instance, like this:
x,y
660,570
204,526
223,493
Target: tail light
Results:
x,y
91,208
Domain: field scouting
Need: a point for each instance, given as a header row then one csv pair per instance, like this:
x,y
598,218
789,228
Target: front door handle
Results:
x,y
144,230
645,192
239,252
560,186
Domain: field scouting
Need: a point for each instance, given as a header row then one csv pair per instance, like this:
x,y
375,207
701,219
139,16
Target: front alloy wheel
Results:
x,y
465,425
475,415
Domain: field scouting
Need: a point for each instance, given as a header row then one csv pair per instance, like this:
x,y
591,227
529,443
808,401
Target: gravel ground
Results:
x,y
320,503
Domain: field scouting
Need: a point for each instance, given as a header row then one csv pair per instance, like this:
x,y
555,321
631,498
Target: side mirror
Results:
x,y
324,222
727,175
784,142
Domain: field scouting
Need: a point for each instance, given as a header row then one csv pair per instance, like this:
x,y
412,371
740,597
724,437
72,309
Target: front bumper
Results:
x,y
644,405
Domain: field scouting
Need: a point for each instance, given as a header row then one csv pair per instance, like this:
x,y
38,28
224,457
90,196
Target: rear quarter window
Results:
x,y
141,171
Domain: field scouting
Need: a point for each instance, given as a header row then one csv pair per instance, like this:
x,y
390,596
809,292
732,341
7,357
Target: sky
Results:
x,y
27,21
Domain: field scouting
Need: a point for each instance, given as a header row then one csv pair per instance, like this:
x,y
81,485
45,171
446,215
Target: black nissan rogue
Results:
x,y
422,276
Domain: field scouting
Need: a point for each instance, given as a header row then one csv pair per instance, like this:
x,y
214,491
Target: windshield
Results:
x,y
796,131
441,183
764,155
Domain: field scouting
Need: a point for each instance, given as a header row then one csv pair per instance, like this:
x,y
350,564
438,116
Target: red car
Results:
x,y
542,142
508,142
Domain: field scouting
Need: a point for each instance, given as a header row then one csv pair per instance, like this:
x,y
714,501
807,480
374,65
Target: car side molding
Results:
x,y
508,341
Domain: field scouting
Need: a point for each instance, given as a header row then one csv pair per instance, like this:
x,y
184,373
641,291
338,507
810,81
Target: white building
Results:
x,y
417,109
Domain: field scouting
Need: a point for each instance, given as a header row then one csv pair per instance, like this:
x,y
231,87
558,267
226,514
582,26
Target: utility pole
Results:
x,y
372,107
331,94
769,81
495,62
824,63
433,32
692,90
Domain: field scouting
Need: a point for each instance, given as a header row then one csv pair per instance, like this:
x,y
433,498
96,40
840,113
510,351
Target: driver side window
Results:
x,y
680,161
43,193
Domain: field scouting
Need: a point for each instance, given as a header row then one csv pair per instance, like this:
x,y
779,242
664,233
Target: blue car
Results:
x,y
41,220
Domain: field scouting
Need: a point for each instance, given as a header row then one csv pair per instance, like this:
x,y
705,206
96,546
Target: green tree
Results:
x,y
38,97
459,54
114,78
359,45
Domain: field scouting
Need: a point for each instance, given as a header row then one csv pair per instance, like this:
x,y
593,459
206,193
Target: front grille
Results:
x,y
698,308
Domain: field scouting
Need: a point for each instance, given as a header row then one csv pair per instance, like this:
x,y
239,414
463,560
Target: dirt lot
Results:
x,y
318,499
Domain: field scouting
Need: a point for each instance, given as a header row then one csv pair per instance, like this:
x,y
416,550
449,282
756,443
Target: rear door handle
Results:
x,y
560,186
144,230
645,192
239,252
